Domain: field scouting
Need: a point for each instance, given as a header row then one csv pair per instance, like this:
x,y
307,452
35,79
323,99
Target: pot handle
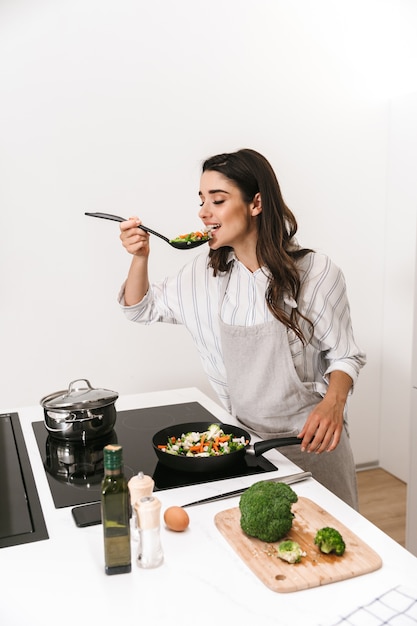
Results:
x,y
89,417
71,418
58,430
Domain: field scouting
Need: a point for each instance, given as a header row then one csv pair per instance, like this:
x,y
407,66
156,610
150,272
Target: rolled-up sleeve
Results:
x,y
150,309
323,300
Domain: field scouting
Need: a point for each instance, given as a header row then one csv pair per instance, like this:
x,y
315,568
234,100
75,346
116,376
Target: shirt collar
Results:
x,y
289,300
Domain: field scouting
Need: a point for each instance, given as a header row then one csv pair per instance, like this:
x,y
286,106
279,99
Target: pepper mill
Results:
x,y
140,486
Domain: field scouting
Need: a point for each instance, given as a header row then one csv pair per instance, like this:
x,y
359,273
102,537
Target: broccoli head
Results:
x,y
265,510
290,551
330,540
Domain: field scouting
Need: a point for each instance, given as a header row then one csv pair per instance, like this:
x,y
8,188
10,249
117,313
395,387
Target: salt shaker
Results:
x,y
139,487
150,552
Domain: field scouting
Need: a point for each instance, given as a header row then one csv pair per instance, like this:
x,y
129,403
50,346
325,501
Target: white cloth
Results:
x,y
192,296
396,606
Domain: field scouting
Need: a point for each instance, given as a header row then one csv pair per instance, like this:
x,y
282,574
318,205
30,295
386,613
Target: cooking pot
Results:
x,y
212,463
81,412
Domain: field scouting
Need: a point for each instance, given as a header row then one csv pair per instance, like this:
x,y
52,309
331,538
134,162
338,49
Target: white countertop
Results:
x,y
61,580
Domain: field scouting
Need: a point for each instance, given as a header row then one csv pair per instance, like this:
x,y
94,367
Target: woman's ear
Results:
x,y
257,204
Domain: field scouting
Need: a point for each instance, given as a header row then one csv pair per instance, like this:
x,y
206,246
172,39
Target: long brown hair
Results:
x,y
276,246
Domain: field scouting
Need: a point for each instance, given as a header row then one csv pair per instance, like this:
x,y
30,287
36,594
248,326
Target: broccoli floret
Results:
x,y
213,431
265,510
330,540
290,551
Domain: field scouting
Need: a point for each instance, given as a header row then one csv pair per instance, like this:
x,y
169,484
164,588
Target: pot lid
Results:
x,y
79,395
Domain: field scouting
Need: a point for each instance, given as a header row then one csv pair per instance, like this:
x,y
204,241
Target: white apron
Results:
x,y
267,397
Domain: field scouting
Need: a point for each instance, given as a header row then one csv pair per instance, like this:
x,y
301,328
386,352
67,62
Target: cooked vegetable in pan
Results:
x,y
212,442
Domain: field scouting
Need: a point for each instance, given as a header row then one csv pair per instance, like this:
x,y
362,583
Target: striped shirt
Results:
x,y
194,298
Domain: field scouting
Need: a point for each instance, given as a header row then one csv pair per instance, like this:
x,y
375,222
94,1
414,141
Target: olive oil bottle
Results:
x,y
115,513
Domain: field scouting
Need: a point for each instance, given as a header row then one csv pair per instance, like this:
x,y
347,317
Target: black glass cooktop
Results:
x,y
75,471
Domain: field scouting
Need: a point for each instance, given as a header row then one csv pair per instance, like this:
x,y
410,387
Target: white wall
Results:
x,y
112,106
399,289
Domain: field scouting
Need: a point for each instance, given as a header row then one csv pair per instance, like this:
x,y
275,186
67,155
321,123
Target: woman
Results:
x,y
270,319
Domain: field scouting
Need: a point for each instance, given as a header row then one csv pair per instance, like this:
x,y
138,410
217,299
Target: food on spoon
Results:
x,y
198,235
212,442
265,510
290,551
176,518
329,540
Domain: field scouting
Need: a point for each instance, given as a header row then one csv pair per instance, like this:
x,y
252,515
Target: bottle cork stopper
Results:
x,y
140,486
148,511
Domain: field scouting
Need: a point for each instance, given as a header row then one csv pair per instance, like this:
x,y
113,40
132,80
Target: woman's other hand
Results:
x,y
324,425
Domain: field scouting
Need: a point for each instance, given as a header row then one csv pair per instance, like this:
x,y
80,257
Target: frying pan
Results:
x,y
212,463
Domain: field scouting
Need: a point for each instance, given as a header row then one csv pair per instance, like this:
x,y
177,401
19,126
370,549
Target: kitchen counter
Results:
x,y
202,579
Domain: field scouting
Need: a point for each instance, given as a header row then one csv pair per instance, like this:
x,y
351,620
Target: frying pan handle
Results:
x,y
263,446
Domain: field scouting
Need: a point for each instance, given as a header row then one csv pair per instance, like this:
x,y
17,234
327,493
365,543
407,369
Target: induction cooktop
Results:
x,y
75,470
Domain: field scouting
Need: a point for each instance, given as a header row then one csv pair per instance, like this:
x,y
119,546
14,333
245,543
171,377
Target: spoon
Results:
x,y
180,245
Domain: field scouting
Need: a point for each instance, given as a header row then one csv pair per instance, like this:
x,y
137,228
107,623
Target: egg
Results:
x,y
176,518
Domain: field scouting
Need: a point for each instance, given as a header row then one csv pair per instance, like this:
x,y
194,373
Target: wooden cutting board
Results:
x,y
316,568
